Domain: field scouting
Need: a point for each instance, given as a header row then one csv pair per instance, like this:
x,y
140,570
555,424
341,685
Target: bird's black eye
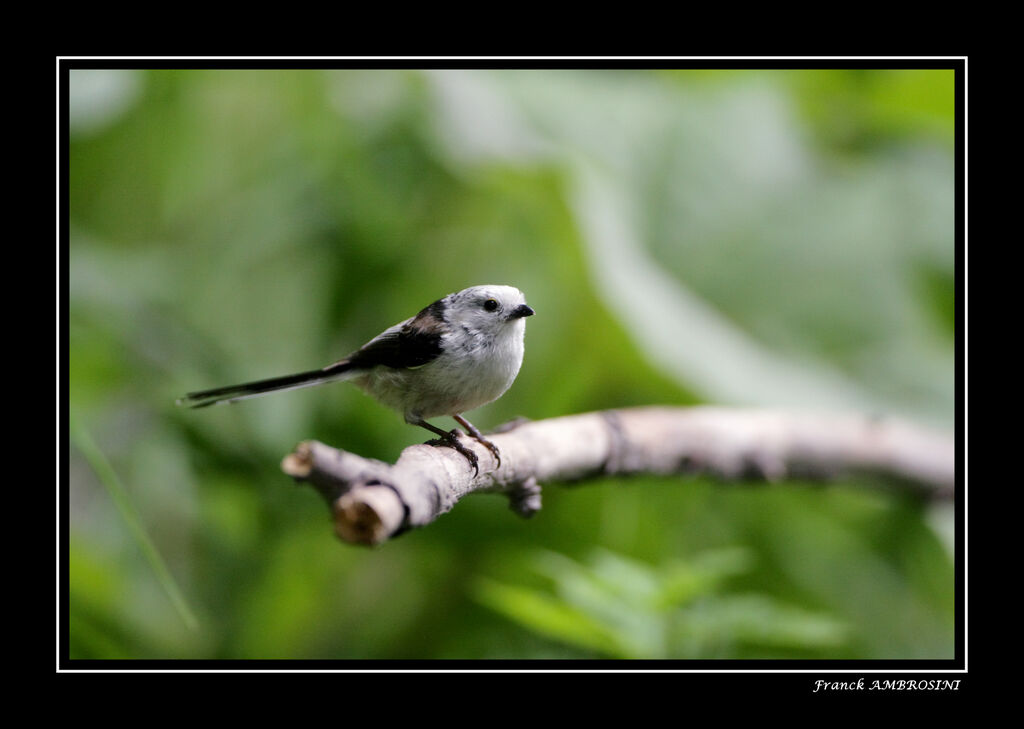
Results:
x,y
491,305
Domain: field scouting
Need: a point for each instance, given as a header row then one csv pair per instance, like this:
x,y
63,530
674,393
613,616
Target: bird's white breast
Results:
x,y
472,371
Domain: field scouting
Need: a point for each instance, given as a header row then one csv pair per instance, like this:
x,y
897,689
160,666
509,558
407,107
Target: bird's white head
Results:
x,y
488,309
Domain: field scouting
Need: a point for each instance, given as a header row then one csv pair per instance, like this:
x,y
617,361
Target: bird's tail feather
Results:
x,y
233,393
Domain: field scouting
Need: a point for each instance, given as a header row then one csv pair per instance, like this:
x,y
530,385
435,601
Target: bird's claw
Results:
x,y
479,437
451,440
492,448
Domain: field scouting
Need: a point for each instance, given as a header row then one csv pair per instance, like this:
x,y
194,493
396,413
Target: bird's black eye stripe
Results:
x,y
491,305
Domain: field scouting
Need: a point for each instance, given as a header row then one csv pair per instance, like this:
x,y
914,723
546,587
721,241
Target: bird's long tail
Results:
x,y
233,393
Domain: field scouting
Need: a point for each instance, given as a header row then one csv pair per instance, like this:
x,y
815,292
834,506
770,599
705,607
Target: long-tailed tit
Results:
x,y
459,353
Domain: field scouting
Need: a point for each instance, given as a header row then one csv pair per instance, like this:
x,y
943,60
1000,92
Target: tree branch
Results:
x,y
373,501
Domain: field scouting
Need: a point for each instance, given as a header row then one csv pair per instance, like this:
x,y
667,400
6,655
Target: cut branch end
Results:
x,y
368,515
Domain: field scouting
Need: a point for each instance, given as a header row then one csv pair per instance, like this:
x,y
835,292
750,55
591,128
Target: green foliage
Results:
x,y
762,238
83,442
621,608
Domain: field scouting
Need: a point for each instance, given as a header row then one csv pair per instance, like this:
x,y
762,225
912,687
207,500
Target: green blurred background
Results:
x,y
760,238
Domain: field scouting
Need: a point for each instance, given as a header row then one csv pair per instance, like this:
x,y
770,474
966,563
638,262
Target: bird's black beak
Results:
x,y
520,311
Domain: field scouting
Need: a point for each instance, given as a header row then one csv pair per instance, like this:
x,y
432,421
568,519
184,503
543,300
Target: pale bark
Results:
x,y
373,501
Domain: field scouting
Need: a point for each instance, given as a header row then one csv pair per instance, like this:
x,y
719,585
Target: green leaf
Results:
x,y
551,617
110,480
758,620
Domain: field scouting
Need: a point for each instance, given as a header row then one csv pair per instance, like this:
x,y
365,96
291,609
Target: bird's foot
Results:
x,y
489,446
479,437
451,440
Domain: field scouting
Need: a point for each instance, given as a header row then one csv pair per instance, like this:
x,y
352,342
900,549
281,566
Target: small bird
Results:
x,y
459,353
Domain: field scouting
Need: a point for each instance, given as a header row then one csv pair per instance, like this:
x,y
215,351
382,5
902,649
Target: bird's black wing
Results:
x,y
413,343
